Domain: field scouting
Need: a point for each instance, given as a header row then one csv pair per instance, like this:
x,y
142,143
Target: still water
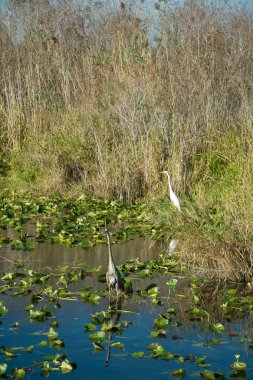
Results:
x,y
187,340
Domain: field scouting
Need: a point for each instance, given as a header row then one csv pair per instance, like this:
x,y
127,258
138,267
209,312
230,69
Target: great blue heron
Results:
x,y
113,277
174,199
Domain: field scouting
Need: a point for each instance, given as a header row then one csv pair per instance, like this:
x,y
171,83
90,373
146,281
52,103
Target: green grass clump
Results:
x,y
215,225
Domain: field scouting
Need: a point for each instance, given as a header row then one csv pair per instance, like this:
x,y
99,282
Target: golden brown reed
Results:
x,y
218,261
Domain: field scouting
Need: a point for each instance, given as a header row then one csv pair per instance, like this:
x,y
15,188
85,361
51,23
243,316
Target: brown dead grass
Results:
x,y
216,261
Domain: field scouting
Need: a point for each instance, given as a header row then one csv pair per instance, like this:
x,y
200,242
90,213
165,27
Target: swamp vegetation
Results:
x,y
93,107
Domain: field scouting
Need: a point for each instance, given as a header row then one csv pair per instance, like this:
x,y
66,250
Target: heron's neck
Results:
x,y
109,249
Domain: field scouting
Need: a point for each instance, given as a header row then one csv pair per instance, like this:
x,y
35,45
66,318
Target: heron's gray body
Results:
x,y
113,277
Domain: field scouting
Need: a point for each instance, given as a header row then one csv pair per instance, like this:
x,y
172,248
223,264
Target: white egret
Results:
x,y
174,199
173,245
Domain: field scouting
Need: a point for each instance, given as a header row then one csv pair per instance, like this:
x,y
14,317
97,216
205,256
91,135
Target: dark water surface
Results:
x,y
187,339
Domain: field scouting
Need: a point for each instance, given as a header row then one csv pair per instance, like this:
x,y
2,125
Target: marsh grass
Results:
x,y
95,106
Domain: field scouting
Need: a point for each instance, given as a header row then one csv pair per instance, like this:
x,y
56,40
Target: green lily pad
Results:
x,y
160,323
18,373
178,372
52,334
66,366
139,354
98,336
238,366
90,327
117,345
218,328
157,349
3,368
97,346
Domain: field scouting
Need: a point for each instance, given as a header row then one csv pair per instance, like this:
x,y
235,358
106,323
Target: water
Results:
x,y
186,339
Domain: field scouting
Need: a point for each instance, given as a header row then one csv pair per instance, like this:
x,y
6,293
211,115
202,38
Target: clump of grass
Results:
x,y
215,226
215,260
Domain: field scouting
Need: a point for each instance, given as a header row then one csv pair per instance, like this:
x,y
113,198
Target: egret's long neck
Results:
x,y
169,180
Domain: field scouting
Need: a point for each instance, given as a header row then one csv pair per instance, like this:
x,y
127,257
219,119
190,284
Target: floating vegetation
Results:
x,y
68,222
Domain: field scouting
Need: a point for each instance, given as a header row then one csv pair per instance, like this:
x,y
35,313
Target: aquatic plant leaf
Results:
x,y
214,341
178,372
180,359
7,276
97,346
208,375
153,291
159,323
128,287
167,356
29,348
57,343
66,366
158,334
10,354
197,313
54,324
3,368
18,373
90,327
43,343
201,360
52,334
171,283
30,246
37,315
3,309
17,245
157,349
94,299
218,328
139,354
117,345
150,287
111,327
144,273
238,366
98,336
